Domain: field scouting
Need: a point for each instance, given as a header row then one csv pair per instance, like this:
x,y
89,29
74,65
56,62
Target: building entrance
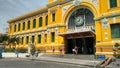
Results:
x,y
85,45
80,31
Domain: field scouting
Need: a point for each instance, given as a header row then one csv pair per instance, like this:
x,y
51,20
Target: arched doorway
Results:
x,y
81,31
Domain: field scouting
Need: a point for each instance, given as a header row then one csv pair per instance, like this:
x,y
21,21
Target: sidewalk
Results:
x,y
68,61
90,63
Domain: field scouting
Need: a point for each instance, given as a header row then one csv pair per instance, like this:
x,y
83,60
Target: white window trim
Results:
x,y
52,16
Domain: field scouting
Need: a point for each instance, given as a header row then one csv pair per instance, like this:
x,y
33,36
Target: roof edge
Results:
x,y
26,15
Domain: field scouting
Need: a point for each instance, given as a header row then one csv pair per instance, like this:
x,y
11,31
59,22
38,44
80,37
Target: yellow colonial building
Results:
x,y
91,25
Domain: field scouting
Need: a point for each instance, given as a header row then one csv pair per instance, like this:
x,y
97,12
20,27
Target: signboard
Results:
x,y
101,57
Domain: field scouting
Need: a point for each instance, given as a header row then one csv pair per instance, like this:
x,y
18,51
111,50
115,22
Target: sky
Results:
x,y
13,8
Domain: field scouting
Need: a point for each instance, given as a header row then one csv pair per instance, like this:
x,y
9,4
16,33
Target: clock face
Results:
x,y
79,21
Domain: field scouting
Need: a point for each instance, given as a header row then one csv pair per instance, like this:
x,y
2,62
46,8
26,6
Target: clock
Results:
x,y
79,21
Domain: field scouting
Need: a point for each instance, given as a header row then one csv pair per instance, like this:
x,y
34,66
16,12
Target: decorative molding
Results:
x,y
42,34
106,38
104,47
59,6
56,30
114,20
48,31
106,33
64,9
95,2
116,41
77,2
104,52
105,23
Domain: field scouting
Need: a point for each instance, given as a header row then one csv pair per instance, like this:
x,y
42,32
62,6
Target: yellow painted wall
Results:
x,y
100,11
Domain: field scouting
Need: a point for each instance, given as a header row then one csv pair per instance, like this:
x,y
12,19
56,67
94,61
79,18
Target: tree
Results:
x,y
14,41
4,38
7,40
117,50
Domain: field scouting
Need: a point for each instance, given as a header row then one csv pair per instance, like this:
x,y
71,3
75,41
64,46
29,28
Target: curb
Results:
x,y
61,62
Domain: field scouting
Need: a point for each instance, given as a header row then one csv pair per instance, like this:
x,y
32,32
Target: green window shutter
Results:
x,y
39,38
27,39
113,3
34,23
15,28
53,37
28,24
40,22
33,39
24,26
47,20
19,27
53,17
115,30
22,40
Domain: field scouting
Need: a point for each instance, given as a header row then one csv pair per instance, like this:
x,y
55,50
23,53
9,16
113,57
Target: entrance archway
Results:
x,y
80,18
81,31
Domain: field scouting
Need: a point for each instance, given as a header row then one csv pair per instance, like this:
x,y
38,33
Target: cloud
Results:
x,y
13,8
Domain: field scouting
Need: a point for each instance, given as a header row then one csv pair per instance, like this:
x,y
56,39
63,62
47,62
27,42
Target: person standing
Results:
x,y
60,50
53,49
76,50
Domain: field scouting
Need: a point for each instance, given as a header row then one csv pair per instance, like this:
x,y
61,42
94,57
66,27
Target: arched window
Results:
x,y
53,17
80,18
33,39
19,25
47,20
27,39
22,40
40,22
53,37
39,38
34,23
24,26
28,25
15,28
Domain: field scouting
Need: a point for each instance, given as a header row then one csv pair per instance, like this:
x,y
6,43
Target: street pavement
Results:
x,y
24,63
53,59
73,61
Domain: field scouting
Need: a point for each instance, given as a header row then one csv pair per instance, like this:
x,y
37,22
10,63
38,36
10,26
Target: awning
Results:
x,y
78,34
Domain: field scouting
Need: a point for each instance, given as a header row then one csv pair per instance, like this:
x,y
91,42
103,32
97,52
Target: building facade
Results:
x,y
91,25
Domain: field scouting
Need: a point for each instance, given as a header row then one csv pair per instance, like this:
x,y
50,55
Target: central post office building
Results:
x,y
91,25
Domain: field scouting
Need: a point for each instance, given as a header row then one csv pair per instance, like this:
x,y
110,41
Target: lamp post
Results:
x,y
29,46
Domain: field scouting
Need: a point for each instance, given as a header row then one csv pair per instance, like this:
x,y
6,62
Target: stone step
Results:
x,y
72,56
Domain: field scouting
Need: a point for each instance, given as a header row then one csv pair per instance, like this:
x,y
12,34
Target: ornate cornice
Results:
x,y
59,2
34,13
108,15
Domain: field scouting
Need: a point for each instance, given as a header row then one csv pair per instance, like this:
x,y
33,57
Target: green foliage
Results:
x,y
33,49
9,40
4,38
117,50
13,40
9,50
22,50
